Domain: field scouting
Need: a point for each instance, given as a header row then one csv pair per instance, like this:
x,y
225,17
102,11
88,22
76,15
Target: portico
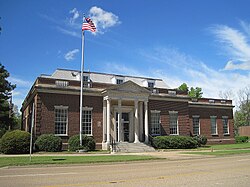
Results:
x,y
125,114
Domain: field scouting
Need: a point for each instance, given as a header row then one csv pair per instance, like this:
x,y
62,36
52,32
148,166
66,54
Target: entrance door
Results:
x,y
125,125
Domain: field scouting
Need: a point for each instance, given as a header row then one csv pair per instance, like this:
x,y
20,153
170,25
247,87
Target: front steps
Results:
x,y
126,147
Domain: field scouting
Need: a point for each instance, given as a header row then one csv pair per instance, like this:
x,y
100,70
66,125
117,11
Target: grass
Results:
x,y
43,160
231,146
220,152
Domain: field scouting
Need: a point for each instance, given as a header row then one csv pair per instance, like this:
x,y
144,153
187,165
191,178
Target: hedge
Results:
x,y
88,143
241,139
15,142
202,140
174,142
49,143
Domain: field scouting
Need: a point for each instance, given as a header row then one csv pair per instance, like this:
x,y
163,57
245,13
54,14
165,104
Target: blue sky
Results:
x,y
202,43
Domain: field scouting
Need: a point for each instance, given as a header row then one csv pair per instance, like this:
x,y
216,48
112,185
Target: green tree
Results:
x,y
5,93
195,92
242,114
183,87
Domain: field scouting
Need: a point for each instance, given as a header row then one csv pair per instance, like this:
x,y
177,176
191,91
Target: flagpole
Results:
x,y
81,93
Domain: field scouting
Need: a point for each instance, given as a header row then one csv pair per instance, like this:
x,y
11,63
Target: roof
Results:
x,y
105,78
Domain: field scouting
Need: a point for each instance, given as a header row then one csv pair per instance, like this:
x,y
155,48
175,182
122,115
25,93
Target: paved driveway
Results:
x,y
219,171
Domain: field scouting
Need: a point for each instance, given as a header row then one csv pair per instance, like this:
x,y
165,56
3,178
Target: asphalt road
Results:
x,y
220,171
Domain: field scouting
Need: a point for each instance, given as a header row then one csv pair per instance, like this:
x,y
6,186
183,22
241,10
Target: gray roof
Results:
x,y
105,78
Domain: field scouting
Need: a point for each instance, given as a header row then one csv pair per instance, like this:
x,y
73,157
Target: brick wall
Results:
x,y
46,116
165,107
205,123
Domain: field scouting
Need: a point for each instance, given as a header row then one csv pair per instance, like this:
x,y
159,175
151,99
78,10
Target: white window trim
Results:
x,y
156,112
197,116
67,125
86,75
115,78
228,127
89,109
174,112
216,133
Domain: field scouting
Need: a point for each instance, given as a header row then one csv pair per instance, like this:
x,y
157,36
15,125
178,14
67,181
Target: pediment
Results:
x,y
128,87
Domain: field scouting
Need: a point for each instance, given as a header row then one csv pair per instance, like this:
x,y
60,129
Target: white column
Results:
x,y
108,121
136,125
104,124
119,119
146,121
141,120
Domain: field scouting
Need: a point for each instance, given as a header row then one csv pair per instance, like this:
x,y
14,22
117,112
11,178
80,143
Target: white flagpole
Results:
x,y
82,69
32,125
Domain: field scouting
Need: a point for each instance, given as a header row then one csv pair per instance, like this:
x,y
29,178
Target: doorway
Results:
x,y
125,123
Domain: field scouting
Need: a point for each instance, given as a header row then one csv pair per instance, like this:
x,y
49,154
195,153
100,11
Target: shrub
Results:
x,y
241,139
15,142
202,140
88,143
49,143
174,142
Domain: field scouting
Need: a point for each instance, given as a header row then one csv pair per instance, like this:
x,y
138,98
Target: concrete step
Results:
x,y
126,147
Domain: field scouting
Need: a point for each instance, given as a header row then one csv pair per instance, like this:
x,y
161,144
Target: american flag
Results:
x,y
88,25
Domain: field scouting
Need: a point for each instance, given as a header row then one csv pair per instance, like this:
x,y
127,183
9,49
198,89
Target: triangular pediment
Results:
x,y
128,87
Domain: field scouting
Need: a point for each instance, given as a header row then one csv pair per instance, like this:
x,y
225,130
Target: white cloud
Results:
x,y
19,82
245,26
75,15
21,90
103,19
71,54
113,67
176,67
235,44
69,32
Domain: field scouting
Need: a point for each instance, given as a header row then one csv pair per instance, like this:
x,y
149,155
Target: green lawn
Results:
x,y
220,150
220,153
23,160
231,146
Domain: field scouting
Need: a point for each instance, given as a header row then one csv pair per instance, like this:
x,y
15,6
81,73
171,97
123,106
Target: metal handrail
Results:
x,y
113,144
150,139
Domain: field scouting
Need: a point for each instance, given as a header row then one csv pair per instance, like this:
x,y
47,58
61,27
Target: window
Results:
x,y
61,120
155,123
86,82
85,78
211,101
119,81
172,92
213,125
173,122
87,121
62,83
151,84
196,125
225,125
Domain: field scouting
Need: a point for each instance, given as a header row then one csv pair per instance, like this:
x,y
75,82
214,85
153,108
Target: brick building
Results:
x,y
122,108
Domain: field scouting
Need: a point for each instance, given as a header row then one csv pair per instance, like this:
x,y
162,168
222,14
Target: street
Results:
x,y
216,171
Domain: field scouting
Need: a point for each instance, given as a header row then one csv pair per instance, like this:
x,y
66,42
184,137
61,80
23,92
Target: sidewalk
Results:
x,y
170,155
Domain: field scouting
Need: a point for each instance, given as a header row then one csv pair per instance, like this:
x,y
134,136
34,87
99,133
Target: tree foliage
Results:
x,y
15,142
242,114
193,92
228,94
5,93
183,87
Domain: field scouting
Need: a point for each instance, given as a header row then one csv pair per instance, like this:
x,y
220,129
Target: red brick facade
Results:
x,y
46,96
